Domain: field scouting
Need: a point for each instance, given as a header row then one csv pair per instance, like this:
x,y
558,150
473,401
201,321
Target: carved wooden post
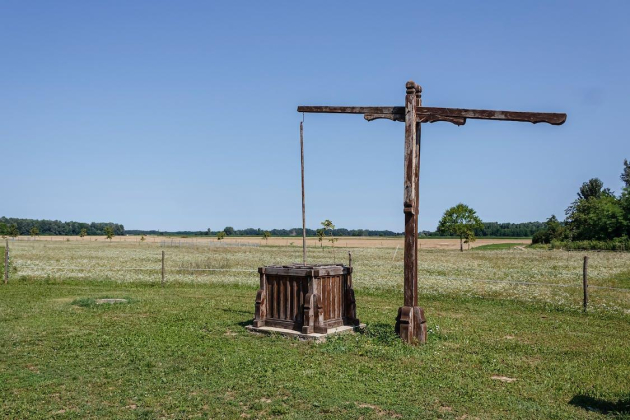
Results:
x,y
6,262
162,268
260,311
585,283
410,322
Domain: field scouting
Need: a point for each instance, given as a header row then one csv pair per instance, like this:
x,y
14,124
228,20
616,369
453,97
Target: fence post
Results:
x,y
585,282
162,268
349,259
6,262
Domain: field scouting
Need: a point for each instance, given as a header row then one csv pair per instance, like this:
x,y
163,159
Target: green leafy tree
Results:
x,y
109,232
597,218
593,188
469,238
83,233
34,231
461,221
229,230
266,235
4,230
220,235
321,233
13,231
625,175
553,230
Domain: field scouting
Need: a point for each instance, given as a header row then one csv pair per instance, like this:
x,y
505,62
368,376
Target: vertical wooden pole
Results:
x,y
410,195
417,203
410,322
162,268
349,259
303,202
585,282
6,262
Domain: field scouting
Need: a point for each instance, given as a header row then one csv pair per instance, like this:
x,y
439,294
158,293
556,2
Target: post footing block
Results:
x,y
411,325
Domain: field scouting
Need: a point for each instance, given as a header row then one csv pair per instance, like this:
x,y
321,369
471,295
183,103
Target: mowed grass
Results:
x,y
182,352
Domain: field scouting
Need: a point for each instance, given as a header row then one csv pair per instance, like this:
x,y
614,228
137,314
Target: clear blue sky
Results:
x,y
182,115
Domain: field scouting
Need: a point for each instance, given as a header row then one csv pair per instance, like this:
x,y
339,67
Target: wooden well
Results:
x,y
305,298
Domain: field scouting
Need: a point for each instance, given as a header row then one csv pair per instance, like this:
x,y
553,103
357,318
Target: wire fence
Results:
x,y
162,272
247,270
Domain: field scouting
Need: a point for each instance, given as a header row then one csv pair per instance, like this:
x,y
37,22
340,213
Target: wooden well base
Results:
x,y
306,337
308,299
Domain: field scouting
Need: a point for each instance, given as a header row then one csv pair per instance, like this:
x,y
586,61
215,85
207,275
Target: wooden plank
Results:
x,y
352,109
283,298
585,282
434,114
6,262
431,114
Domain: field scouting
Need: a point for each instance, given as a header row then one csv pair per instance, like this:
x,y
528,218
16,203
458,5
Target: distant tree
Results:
x,y
229,230
329,226
321,233
266,234
469,238
461,221
600,218
13,231
83,233
142,238
4,230
593,188
625,175
209,232
624,203
34,231
220,235
553,230
109,232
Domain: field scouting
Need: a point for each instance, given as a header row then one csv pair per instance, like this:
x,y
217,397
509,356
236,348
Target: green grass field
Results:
x,y
182,351
495,247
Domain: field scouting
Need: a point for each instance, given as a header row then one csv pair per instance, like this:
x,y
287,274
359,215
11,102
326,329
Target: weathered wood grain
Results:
x,y
434,114
410,322
314,302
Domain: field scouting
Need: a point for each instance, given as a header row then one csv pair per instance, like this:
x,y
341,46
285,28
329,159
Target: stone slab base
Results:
x,y
311,337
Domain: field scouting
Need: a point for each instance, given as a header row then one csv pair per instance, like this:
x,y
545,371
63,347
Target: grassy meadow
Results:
x,y
494,350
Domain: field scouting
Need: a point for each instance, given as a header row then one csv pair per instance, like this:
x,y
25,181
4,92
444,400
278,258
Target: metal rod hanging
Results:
x,y
303,202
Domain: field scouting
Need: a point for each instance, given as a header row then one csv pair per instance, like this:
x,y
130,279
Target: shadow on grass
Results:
x,y
381,333
245,323
599,405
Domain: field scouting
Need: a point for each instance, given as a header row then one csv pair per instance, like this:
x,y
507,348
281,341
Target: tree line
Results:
x,y
597,219
23,227
230,231
496,229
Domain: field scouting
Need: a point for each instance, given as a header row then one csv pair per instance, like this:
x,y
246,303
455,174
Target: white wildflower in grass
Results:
x,y
472,273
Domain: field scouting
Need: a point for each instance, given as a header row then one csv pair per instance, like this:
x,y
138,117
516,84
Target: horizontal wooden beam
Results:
x,y
353,109
431,114
428,114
